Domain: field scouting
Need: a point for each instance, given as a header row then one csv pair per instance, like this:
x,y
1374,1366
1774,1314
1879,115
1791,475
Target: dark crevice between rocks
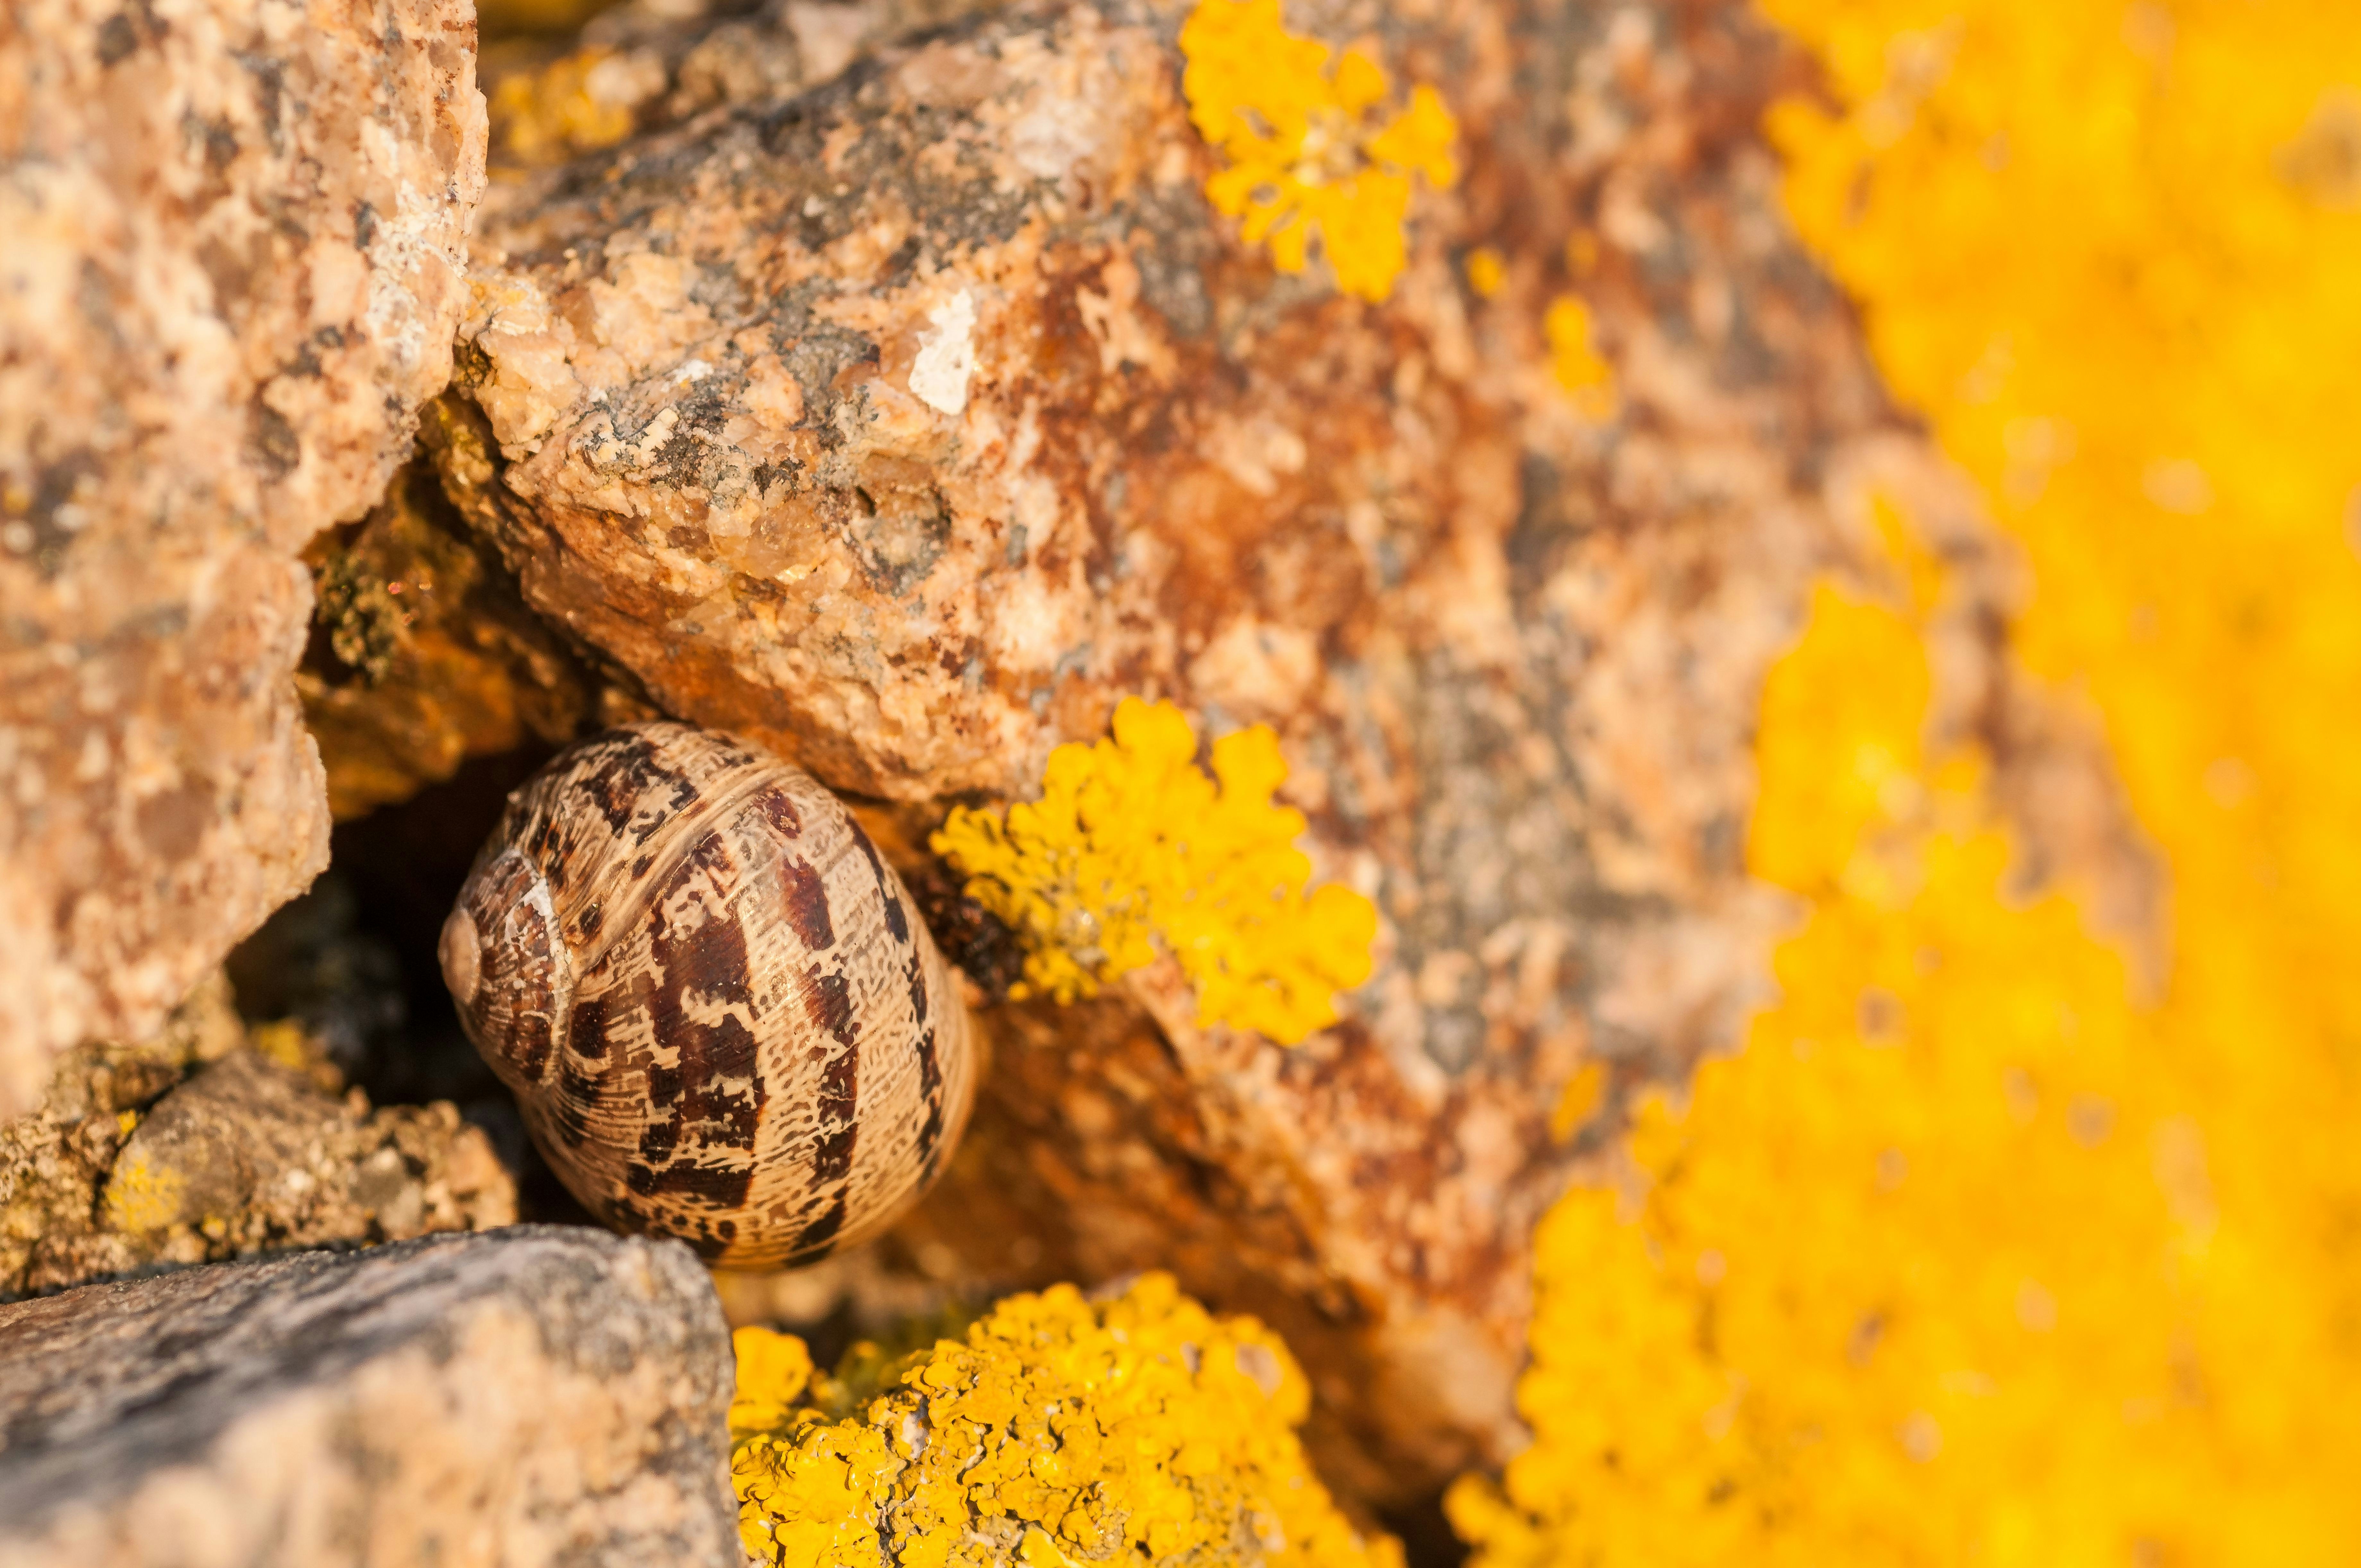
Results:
x,y
1426,1536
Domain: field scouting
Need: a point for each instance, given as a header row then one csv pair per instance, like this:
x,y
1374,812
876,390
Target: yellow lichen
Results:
x,y
142,1195
576,104
1970,1255
1487,271
1585,1092
774,1371
1306,157
1131,846
1580,373
1141,1428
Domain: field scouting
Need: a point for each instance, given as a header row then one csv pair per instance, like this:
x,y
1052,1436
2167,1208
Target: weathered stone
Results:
x,y
907,425
639,67
54,1163
534,1396
194,1148
232,266
423,655
313,966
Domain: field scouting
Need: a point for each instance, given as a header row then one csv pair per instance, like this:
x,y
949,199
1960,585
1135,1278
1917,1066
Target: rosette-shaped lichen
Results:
x,y
1131,846
1141,1429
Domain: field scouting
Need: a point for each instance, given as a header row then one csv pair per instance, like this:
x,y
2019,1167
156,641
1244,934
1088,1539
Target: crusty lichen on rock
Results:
x,y
1575,362
1141,1428
1132,845
1305,153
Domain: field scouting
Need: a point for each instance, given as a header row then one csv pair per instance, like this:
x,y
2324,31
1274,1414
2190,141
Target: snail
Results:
x,y
714,1000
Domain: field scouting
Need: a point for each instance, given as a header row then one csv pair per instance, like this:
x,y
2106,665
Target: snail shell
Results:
x,y
717,1008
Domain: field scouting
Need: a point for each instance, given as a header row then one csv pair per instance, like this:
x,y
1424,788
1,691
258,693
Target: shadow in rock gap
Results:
x,y
1427,1538
353,961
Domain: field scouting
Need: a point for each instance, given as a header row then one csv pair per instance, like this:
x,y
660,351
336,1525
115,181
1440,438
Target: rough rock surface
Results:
x,y
647,63
533,1395
232,265
421,655
193,1147
907,425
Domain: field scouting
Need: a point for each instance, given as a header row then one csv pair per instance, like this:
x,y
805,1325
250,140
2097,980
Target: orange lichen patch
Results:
x,y
1575,362
1967,1257
508,18
1306,156
1062,1431
1838,749
1131,846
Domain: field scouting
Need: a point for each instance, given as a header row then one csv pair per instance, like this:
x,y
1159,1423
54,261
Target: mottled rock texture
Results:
x,y
534,1396
232,265
650,63
906,425
421,655
197,1146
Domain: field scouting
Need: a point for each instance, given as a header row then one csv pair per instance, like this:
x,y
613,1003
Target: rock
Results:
x,y
54,1163
312,964
638,67
534,1396
248,1156
196,1148
424,656
232,269
907,425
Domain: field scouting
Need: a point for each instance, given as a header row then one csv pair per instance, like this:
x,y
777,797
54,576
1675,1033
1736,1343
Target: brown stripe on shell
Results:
x,y
698,1145
513,1015
828,1002
889,887
804,901
581,1075
781,813
818,1239
930,1077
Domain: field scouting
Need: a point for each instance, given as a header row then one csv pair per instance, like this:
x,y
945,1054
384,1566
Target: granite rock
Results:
x,y
233,263
906,425
532,1396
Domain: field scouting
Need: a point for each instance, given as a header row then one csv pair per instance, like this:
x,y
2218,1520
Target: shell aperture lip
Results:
x,y
461,952
523,987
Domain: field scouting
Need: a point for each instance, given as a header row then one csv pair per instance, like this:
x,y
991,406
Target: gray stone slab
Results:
x,y
527,1396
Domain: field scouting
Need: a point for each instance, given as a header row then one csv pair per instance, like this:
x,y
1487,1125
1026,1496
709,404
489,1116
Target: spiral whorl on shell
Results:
x,y
716,1005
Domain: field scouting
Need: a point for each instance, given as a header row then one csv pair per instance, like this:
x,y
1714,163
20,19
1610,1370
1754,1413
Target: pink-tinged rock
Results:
x,y
232,261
